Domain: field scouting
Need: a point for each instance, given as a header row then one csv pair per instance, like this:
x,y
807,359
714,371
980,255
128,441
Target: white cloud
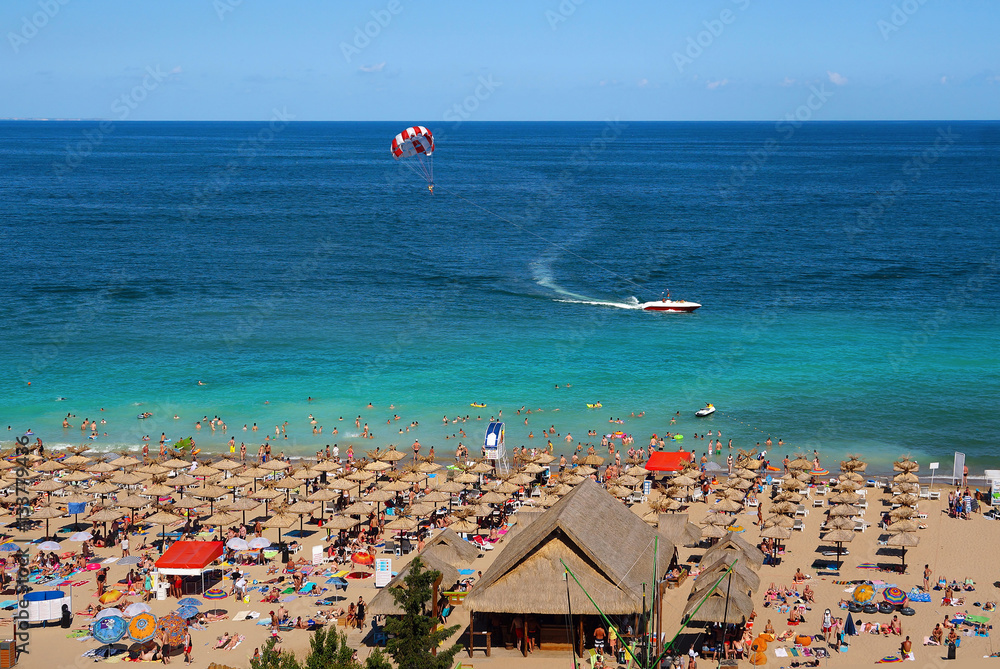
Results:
x,y
712,85
994,79
377,67
944,80
788,81
643,82
836,79
176,70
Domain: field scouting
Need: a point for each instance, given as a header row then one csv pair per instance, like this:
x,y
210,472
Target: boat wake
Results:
x,y
542,274
631,303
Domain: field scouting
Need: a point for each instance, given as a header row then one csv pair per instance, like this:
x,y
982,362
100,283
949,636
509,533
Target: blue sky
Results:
x,y
516,60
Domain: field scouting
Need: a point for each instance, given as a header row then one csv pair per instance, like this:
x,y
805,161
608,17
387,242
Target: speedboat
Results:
x,y
666,304
707,411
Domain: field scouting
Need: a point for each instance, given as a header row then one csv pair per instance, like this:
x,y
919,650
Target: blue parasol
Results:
x,y
190,601
849,628
109,630
187,612
9,547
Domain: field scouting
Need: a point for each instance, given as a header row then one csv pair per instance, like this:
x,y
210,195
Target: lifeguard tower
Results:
x,y
495,448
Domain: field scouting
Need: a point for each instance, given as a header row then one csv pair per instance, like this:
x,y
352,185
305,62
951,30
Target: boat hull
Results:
x,y
670,306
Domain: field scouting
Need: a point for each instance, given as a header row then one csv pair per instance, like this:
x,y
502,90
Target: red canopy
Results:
x,y
668,461
189,558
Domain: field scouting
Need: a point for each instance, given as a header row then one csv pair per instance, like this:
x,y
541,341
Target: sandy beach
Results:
x,y
954,549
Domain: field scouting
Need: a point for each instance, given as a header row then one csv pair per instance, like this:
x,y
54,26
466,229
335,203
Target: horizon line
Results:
x,y
603,120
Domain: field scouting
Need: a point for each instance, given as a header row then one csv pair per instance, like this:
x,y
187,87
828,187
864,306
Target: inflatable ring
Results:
x,y
854,607
758,645
869,608
886,607
907,611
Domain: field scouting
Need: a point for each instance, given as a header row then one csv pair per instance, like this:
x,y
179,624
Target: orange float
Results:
x,y
803,640
758,645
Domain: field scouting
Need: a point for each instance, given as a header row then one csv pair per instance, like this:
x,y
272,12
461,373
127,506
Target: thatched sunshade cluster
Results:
x,y
722,593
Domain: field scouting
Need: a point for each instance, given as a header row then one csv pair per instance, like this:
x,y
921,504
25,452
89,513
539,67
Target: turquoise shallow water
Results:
x,y
317,267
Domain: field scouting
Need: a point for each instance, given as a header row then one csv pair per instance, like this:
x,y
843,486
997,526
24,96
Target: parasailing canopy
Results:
x,y
414,147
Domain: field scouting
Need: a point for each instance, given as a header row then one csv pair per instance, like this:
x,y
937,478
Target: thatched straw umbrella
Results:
x,y
840,523
302,509
713,532
124,461
220,519
153,469
906,488
906,499
902,513
903,540
267,495
846,497
163,518
209,492
392,455
46,513
127,479
800,463
905,464
843,510
839,537
243,504
279,521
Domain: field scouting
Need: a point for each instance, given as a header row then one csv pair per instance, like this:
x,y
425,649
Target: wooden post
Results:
x,y
659,617
434,609
581,643
524,638
472,630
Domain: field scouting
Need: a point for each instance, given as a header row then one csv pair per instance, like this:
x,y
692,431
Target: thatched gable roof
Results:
x,y
383,604
608,547
717,609
451,548
743,571
676,528
733,544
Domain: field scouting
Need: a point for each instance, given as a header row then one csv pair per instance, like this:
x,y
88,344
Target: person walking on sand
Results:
x,y
927,578
188,646
163,645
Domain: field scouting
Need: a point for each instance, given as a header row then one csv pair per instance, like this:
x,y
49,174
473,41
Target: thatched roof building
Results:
x,y
607,547
451,548
733,546
677,529
383,604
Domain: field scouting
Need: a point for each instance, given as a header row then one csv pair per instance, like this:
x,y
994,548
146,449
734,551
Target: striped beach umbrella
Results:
x,y
895,596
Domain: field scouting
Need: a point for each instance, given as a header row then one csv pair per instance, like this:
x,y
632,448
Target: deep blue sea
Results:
x,y
848,272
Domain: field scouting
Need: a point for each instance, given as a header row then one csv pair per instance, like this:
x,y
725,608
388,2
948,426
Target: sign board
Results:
x,y
959,467
647,486
317,555
383,572
995,492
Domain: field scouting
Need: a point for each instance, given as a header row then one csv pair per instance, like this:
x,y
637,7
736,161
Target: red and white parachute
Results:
x,y
415,148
